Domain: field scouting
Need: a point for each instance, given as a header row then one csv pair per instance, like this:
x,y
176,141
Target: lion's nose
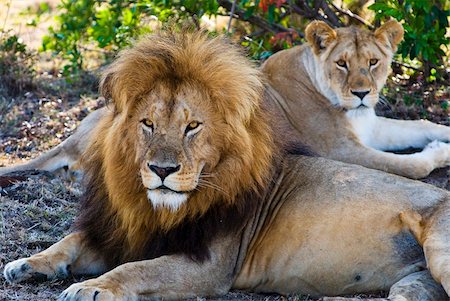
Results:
x,y
163,172
360,94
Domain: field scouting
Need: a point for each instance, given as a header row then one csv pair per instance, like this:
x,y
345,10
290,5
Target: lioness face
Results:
x,y
354,62
357,70
176,145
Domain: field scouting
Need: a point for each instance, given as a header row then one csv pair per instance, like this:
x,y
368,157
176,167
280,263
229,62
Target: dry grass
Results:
x,y
33,215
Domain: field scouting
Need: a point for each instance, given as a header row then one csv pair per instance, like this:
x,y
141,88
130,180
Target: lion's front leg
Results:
x,y
166,277
431,228
71,254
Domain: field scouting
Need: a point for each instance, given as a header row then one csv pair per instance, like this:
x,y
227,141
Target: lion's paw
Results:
x,y
94,290
440,152
18,271
25,268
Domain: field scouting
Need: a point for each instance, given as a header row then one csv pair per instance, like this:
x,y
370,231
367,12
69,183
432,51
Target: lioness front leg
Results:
x,y
391,134
70,255
415,166
167,277
68,152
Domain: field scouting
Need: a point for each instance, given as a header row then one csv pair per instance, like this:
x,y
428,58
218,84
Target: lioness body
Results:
x,y
188,194
330,108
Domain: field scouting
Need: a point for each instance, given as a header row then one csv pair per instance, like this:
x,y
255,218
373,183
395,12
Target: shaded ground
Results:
x,y
33,215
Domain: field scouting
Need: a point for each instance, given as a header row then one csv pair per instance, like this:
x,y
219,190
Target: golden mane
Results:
x,y
116,201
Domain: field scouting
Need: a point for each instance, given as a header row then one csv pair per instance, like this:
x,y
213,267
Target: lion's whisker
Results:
x,y
206,184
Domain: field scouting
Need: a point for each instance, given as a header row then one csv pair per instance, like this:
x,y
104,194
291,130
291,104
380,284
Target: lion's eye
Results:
x,y
342,63
373,62
192,126
148,123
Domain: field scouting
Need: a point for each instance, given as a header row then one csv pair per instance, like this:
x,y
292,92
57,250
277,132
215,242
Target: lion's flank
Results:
x,y
116,214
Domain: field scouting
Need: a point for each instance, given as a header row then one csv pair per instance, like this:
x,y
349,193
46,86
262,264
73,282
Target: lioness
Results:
x,y
324,94
188,195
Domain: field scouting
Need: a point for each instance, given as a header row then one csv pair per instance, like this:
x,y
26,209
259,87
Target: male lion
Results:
x,y
187,196
324,95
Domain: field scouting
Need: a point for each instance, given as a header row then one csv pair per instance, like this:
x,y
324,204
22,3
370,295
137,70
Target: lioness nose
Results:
x,y
360,94
163,172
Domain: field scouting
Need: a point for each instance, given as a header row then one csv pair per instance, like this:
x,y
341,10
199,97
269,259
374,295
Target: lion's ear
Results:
x,y
319,35
106,85
390,33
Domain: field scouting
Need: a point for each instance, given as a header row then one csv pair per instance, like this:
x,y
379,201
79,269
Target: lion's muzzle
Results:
x,y
163,171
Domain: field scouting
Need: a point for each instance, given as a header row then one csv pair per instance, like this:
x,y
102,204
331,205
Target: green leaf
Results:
x,y
249,12
271,13
379,6
127,16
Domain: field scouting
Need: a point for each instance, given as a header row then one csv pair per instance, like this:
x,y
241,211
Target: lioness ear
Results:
x,y
390,33
319,35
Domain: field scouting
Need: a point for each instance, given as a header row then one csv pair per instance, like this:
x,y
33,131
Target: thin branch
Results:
x,y
196,21
233,8
7,14
352,15
255,20
256,34
334,19
406,66
310,14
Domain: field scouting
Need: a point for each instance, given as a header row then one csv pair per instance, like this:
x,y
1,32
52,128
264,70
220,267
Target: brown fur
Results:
x,y
116,211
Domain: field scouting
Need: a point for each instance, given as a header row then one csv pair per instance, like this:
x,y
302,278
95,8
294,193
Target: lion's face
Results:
x,y
186,117
353,63
177,148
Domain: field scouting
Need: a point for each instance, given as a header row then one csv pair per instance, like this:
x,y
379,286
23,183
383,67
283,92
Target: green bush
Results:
x,y
16,65
265,26
111,25
425,23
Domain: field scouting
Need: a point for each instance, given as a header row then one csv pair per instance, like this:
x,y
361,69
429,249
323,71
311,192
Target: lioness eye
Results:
x,y
192,126
342,63
148,123
373,62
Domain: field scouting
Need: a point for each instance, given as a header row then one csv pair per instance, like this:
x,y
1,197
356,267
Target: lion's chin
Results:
x,y
163,198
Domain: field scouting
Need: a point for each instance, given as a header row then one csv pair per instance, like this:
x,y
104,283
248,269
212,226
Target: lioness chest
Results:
x,y
362,124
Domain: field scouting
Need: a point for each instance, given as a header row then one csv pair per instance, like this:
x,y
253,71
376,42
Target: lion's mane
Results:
x,y
116,215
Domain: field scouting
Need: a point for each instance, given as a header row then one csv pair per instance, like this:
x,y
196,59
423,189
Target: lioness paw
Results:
x,y
93,290
440,152
435,145
23,269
